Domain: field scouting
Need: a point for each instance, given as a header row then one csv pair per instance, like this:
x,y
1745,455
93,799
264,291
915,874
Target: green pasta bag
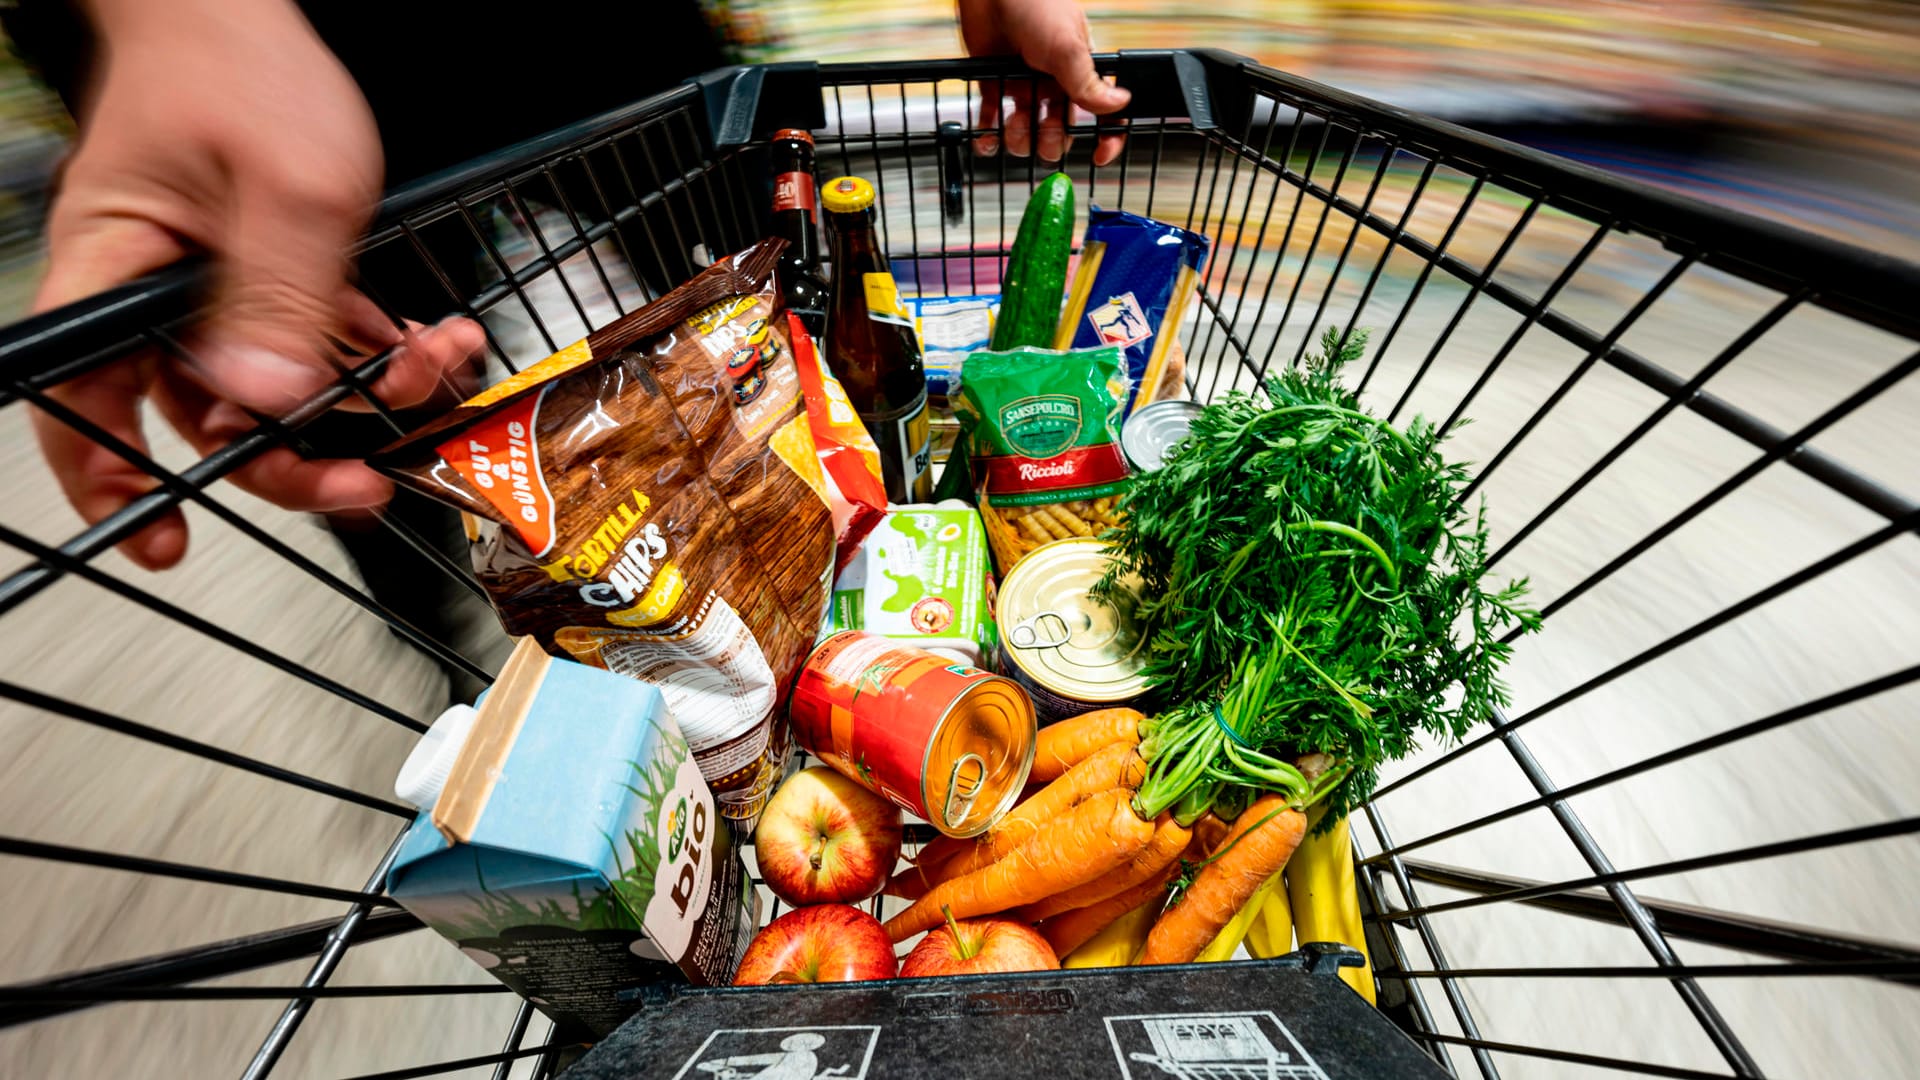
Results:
x,y
1043,428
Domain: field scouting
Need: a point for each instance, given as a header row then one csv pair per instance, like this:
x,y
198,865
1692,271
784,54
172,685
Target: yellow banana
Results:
x,y
1227,941
1120,942
1325,905
1272,931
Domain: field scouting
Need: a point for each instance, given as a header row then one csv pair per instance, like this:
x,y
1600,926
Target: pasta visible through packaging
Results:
x,y
1013,531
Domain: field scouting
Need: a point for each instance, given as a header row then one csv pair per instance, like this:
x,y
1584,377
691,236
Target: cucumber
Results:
x,y
1037,269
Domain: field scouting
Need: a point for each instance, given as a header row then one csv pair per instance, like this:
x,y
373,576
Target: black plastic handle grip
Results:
x,y
953,174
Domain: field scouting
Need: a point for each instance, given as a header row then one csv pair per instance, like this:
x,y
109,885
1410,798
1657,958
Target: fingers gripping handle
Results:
x,y
746,104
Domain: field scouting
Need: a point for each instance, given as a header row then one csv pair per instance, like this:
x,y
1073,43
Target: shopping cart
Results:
x,y
1622,350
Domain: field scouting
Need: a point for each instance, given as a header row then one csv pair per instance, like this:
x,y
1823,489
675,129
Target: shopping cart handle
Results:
x,y
746,104
94,326
1173,82
750,102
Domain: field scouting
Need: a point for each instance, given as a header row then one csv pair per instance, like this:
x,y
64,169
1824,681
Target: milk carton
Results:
x,y
922,576
568,844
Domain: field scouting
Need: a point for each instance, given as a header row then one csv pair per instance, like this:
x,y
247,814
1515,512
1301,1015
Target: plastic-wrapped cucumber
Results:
x,y
1037,269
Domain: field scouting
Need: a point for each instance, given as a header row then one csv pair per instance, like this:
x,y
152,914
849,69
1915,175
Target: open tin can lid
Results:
x,y
1063,638
1153,430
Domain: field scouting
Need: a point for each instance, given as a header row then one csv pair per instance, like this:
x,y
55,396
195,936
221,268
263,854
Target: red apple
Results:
x,y
977,946
825,943
826,840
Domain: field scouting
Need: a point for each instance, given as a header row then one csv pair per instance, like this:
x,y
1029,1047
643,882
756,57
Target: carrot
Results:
x,y
1063,745
1116,766
1169,840
924,867
1208,832
1094,837
913,882
1205,835
939,850
1075,928
1110,767
1258,846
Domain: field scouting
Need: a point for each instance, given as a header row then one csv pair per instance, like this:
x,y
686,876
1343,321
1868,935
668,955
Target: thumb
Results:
x,y
91,253
87,253
282,269
1069,59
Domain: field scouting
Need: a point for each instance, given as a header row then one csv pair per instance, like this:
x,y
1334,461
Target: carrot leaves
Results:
x,y
1312,585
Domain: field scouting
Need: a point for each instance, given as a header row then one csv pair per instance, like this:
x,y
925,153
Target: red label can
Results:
x,y
946,741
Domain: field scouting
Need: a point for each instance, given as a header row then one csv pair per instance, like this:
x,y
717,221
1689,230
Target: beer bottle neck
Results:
x,y
794,209
855,246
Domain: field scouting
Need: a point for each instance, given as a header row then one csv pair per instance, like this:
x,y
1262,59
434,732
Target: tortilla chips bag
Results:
x,y
652,502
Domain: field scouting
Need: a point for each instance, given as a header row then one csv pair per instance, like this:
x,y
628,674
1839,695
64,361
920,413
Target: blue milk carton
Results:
x,y
568,844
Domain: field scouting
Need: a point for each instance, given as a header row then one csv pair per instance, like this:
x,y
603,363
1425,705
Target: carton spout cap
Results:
x,y
426,769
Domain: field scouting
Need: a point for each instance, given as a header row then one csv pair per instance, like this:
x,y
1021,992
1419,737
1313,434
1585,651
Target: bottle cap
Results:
x,y
426,769
796,134
847,194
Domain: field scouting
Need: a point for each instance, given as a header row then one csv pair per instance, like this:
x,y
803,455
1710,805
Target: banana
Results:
x,y
1227,941
1325,905
1272,931
1120,942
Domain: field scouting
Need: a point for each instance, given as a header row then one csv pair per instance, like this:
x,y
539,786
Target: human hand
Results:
x,y
1051,37
225,127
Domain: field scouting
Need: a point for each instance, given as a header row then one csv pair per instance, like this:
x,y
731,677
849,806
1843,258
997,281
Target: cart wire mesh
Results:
x,y
1608,339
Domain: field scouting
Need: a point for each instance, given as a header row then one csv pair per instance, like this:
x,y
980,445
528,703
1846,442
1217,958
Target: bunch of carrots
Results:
x,y
1313,600
1076,855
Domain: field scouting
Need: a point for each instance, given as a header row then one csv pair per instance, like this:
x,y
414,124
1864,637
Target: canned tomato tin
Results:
x,y
1073,653
1153,430
940,739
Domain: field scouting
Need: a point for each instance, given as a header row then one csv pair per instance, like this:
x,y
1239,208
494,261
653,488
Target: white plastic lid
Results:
x,y
426,769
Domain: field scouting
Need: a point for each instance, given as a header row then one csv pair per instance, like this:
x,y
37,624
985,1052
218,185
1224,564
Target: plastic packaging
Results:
x,y
1131,291
653,502
1043,428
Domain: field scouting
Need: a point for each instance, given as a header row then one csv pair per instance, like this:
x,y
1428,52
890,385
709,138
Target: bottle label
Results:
x,y
883,300
904,438
794,191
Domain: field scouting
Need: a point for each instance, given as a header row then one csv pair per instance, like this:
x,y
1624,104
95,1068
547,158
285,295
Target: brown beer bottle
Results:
x,y
794,221
871,346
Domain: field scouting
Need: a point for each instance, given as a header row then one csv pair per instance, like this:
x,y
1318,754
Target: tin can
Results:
x,y
1153,430
1072,652
943,740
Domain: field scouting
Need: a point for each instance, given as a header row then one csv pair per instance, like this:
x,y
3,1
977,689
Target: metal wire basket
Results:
x,y
1644,369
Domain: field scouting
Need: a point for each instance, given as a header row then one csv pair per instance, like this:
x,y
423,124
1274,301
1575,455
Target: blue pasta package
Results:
x,y
1135,279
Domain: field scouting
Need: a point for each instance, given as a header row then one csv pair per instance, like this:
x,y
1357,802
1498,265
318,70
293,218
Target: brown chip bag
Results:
x,y
654,505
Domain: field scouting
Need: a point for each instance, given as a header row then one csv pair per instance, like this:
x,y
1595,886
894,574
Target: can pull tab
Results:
x,y
1047,630
961,792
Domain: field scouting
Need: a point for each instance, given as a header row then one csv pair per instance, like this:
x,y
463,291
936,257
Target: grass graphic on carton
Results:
x,y
616,907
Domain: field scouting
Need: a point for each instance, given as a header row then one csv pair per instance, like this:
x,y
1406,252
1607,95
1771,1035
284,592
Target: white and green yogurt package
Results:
x,y
923,577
